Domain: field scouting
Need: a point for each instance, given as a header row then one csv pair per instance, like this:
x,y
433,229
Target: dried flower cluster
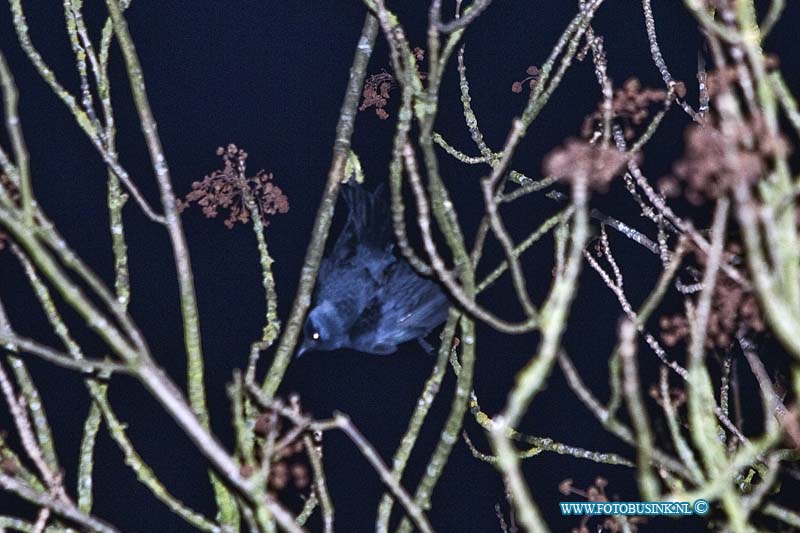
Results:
x,y
227,189
10,188
578,158
719,80
290,471
8,466
712,164
715,159
677,396
734,311
376,93
597,493
733,308
377,88
532,78
674,328
631,106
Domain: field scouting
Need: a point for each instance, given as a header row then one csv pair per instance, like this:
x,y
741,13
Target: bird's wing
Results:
x,y
429,305
410,305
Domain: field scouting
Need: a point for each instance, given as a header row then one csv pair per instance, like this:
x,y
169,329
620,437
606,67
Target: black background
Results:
x,y
270,76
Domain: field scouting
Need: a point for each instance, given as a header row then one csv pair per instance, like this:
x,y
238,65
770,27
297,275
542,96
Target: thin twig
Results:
x,y
65,509
414,511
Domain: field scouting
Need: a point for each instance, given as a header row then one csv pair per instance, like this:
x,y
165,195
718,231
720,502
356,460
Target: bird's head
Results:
x,y
324,329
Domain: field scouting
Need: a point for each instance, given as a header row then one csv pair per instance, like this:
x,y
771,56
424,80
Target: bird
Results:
x,y
368,298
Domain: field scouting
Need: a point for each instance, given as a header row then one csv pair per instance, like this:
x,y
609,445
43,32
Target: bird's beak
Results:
x,y
306,346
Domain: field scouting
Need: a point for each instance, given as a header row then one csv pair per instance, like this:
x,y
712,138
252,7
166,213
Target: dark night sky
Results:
x,y
270,77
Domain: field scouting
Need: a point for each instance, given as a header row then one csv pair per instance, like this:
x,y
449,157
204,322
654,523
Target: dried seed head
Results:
x,y
579,159
8,466
229,187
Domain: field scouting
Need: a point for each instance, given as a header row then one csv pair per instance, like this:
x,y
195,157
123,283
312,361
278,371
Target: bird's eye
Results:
x,y
315,336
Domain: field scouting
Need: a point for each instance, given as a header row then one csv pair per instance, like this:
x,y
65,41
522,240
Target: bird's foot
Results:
x,y
428,347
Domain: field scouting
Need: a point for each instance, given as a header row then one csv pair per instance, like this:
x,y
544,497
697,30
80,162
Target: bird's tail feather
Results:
x,y
368,215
